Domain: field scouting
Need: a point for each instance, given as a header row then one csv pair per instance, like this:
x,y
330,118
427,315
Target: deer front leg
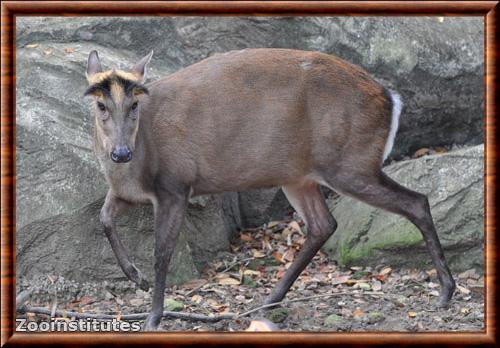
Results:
x,y
169,215
112,207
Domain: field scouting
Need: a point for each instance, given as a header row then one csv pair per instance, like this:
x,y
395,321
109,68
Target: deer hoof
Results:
x,y
443,300
137,277
447,290
143,284
151,323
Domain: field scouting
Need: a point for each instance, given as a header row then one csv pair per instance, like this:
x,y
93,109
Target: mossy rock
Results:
x,y
332,320
173,305
277,315
454,185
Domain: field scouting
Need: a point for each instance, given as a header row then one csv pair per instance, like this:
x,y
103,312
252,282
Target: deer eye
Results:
x,y
101,106
134,106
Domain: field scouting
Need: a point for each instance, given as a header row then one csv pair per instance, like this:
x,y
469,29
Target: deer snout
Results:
x,y
121,154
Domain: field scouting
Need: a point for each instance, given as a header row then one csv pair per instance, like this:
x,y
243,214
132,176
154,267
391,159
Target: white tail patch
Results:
x,y
397,105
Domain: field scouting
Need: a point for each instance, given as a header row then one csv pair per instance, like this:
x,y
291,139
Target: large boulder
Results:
x,y
454,184
436,63
258,207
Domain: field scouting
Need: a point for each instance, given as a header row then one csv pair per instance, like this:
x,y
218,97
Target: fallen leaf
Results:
x,y
358,313
266,244
69,50
364,286
465,310
280,273
463,290
219,307
195,283
34,45
299,241
137,302
196,298
351,282
294,225
251,272
339,280
470,273
287,232
273,224
412,314
262,325
278,257
289,255
432,272
257,254
421,152
228,281
48,51
246,237
385,271
85,300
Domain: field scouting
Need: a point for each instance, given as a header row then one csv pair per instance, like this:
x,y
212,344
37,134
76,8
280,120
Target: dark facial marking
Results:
x,y
105,86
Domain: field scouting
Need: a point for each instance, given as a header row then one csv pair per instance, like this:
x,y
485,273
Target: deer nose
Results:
x,y
121,154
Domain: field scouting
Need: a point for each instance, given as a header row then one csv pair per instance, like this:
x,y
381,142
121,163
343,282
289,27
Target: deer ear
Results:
x,y
139,69
93,64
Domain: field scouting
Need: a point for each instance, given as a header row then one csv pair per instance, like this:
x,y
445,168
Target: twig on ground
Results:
x,y
176,315
232,264
125,317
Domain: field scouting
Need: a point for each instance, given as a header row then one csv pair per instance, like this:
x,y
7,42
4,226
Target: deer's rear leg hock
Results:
x,y
112,207
309,202
381,191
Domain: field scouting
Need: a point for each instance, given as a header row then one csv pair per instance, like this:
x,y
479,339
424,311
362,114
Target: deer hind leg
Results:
x,y
383,192
112,207
308,201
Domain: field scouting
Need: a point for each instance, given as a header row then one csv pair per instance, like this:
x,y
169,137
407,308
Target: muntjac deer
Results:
x,y
241,120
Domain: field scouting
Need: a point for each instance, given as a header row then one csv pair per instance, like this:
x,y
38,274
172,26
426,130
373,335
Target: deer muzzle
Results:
x,y
121,154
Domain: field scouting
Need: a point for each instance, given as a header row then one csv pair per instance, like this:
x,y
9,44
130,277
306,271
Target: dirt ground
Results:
x,y
324,298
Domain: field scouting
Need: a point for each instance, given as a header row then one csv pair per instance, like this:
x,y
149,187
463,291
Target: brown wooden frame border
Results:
x,y
11,9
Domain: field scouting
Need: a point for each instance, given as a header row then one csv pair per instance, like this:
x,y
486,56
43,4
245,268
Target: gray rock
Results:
x,y
437,66
258,207
454,184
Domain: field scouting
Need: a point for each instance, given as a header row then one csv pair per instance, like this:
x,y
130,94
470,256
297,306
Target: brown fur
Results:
x,y
208,120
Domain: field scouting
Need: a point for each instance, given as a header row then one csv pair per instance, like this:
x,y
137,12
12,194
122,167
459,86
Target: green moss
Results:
x,y
173,305
332,320
401,233
277,315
